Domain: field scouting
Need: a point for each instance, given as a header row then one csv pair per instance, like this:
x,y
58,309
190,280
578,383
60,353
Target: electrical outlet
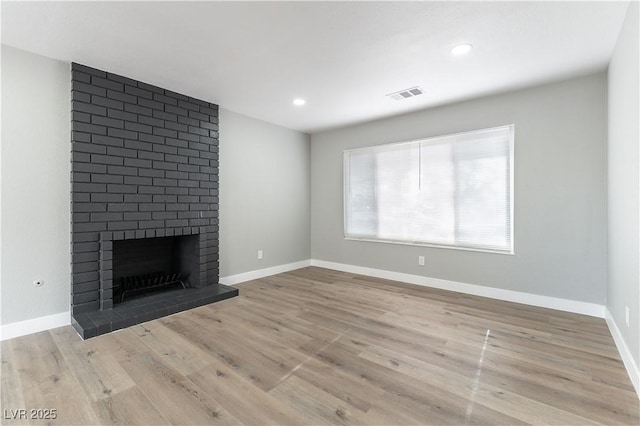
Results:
x,y
260,254
38,283
626,315
421,260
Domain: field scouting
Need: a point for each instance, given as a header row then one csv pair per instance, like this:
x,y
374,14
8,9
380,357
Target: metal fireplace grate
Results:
x,y
132,285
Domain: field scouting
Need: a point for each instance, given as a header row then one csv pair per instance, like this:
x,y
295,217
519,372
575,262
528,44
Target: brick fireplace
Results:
x,y
144,164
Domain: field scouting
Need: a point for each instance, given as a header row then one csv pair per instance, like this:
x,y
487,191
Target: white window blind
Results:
x,y
453,191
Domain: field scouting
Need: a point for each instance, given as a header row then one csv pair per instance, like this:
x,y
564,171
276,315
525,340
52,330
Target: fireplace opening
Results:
x,y
146,265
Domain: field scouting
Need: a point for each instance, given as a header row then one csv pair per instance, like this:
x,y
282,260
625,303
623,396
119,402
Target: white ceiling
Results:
x,y
342,57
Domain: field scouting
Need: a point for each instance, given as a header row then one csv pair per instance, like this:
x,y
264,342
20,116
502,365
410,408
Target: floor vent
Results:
x,y
406,93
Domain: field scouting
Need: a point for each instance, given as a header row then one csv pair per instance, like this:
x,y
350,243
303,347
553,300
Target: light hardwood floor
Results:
x,y
316,346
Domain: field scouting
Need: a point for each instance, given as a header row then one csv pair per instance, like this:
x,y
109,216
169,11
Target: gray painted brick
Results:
x,y
177,207
176,126
122,226
188,121
198,176
80,177
177,222
188,183
81,116
150,190
165,115
198,191
209,141
177,175
125,134
188,105
176,190
136,91
106,140
121,79
146,156
140,146
89,207
188,215
88,227
155,139
163,198
176,110
80,76
88,187
85,257
137,180
199,162
107,84
188,199
189,168
188,152
122,207
122,97
122,152
199,146
88,88
176,158
80,136
151,104
119,170
165,182
165,132
137,127
88,147
109,122
84,247
124,189
106,217
81,97
164,166
137,216
208,126
137,198
106,102
151,173
106,198
198,131
137,109
122,115
189,137
151,121
177,143
165,99
151,207
87,70
165,215
199,116
208,155
151,224
102,178
89,128
176,95
150,88
106,159
80,217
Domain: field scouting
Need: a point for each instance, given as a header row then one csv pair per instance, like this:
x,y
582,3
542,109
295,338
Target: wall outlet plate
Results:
x,y
260,254
626,315
421,260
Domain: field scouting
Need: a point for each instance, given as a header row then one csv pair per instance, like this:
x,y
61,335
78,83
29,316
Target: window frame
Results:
x,y
433,139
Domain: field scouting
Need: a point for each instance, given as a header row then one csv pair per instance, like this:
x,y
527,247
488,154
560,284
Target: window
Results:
x,y
451,191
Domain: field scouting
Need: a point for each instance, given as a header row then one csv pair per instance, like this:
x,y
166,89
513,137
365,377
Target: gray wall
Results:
x,y
264,194
35,148
624,183
560,192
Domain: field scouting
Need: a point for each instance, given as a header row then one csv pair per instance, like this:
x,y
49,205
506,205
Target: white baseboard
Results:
x,y
22,328
261,273
625,353
585,308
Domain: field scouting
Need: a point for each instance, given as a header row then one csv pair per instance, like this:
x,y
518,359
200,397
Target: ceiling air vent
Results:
x,y
406,93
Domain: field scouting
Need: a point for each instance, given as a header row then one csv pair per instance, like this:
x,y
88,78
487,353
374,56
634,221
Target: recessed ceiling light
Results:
x,y
461,49
299,102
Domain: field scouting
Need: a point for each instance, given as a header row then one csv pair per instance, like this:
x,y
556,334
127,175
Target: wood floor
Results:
x,y
315,346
